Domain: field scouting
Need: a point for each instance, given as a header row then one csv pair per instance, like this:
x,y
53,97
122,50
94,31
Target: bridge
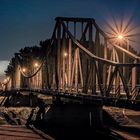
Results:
x,y
78,62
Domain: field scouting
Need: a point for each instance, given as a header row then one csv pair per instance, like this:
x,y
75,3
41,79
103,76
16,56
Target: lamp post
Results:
x,y
64,83
36,79
121,38
24,80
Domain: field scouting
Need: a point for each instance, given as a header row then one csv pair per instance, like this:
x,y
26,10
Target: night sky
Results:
x,y
26,22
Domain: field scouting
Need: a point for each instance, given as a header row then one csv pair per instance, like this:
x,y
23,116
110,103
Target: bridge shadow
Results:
x,y
72,122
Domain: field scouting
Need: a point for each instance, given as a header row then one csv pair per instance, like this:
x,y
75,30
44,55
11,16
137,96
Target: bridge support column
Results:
x,y
105,67
69,62
97,117
59,55
134,77
17,77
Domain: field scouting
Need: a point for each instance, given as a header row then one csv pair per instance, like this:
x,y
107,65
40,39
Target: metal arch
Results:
x,y
87,51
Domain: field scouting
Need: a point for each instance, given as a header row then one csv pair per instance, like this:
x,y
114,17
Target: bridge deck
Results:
x,y
82,98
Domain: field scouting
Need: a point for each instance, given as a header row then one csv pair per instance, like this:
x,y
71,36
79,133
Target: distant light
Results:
x,y
5,80
65,54
120,37
36,64
24,70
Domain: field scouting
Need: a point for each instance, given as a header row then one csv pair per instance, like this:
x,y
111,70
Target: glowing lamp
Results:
x,y
65,54
5,80
36,65
24,70
120,37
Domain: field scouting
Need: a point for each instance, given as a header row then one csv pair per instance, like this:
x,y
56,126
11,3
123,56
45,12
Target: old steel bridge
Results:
x,y
81,63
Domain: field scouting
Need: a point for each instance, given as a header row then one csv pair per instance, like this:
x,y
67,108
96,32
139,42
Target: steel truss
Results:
x,y
82,59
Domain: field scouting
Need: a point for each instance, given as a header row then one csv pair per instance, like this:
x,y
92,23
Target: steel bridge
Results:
x,y
80,61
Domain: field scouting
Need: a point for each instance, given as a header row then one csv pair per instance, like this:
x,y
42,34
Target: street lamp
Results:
x,y
123,38
5,80
120,37
24,69
36,80
65,54
36,64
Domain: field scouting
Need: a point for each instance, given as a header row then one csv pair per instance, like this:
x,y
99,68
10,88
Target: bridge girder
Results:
x,y
79,59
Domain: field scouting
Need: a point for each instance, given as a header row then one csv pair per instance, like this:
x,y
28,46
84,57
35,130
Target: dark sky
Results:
x,y
26,22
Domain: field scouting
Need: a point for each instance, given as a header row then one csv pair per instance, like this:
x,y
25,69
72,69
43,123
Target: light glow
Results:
x,y
36,64
65,54
24,69
120,37
5,80
120,31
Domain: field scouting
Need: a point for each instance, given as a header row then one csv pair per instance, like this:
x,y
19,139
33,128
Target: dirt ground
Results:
x,y
124,122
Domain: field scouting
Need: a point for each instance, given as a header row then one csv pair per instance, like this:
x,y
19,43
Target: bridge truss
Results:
x,y
80,58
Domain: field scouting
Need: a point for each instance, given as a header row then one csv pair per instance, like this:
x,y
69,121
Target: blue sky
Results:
x,y
26,22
